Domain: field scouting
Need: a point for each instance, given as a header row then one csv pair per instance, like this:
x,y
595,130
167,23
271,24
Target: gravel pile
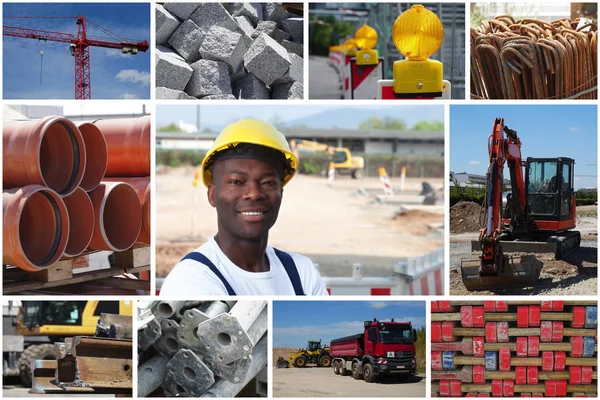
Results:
x,y
228,51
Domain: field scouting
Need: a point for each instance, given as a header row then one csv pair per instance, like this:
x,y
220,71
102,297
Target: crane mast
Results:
x,y
79,46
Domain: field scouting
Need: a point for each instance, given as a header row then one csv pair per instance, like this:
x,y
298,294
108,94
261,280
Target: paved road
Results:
x,y
322,382
323,79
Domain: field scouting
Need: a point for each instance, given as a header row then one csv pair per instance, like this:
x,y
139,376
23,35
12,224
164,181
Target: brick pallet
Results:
x,y
510,349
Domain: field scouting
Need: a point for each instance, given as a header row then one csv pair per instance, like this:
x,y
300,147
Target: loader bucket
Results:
x,y
517,272
282,363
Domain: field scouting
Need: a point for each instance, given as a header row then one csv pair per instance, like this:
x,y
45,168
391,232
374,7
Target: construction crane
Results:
x,y
79,46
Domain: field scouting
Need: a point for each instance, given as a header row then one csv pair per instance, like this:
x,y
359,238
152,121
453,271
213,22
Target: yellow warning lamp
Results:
x,y
196,178
366,38
350,47
417,34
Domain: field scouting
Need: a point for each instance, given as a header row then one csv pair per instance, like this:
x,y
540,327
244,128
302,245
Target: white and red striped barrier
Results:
x,y
330,174
385,182
346,90
364,78
385,91
422,275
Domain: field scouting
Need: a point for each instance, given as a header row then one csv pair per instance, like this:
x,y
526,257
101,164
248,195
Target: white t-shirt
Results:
x,y
191,278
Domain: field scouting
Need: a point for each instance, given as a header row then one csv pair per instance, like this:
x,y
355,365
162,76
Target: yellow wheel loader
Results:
x,y
313,354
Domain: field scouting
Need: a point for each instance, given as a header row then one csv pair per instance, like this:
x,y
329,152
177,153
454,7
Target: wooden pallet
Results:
x,y
63,277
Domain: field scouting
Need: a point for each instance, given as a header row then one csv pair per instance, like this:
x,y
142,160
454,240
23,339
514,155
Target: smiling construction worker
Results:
x,y
245,172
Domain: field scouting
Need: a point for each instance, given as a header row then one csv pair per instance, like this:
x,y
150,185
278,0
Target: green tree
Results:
x,y
170,128
387,123
429,126
328,34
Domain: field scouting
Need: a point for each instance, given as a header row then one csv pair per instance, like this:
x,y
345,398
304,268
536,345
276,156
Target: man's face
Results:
x,y
247,195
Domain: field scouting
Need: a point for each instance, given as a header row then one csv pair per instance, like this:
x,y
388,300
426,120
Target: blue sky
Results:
x,y
296,322
545,131
113,75
325,116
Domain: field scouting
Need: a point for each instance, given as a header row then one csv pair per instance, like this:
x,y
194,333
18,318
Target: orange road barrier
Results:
x,y
35,227
128,143
117,216
48,151
142,188
81,219
96,155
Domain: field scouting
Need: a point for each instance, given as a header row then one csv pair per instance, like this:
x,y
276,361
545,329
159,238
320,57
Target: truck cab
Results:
x,y
384,347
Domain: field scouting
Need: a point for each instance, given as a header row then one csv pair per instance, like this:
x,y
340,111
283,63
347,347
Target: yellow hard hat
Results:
x,y
253,132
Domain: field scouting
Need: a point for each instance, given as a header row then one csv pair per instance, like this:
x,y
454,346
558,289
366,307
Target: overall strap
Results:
x,y
292,271
202,259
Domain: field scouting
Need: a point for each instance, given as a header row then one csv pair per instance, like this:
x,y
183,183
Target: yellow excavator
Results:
x,y
30,334
313,354
343,161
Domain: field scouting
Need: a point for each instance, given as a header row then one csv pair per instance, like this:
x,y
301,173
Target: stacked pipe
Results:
x,y
519,348
200,349
68,188
532,59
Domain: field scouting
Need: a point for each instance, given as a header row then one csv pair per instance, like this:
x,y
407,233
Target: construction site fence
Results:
x,y
318,164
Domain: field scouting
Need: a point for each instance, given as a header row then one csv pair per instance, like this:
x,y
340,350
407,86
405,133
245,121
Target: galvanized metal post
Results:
x,y
223,388
151,375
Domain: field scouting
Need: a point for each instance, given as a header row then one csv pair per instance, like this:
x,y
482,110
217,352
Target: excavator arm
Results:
x,y
502,150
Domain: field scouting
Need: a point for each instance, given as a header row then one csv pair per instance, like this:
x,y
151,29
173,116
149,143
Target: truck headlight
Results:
x,y
383,367
414,361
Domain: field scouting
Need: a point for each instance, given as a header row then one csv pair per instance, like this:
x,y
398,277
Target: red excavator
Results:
x,y
535,216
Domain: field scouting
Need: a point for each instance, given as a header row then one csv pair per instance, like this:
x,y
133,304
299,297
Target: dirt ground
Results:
x,y
334,226
575,275
322,382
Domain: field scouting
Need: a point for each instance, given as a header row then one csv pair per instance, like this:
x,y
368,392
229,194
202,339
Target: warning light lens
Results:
x,y
349,44
417,33
365,37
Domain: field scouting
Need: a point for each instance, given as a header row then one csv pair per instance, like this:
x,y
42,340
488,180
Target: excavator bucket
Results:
x,y
282,363
517,272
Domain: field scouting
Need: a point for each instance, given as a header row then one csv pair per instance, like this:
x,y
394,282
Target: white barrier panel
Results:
x,y
385,91
346,78
423,275
364,78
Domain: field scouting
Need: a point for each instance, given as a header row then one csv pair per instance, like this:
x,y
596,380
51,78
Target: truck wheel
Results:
x,y
300,362
34,352
336,368
355,374
325,361
368,373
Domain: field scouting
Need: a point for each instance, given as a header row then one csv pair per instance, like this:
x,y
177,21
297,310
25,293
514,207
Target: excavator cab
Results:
x,y
550,193
536,216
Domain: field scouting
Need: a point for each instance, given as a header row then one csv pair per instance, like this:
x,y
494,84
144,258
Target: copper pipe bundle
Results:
x,y
532,59
55,201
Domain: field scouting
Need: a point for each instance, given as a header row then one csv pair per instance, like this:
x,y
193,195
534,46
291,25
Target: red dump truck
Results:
x,y
383,348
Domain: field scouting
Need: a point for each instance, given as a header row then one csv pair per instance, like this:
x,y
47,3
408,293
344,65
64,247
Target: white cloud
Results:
x,y
135,76
378,304
128,96
574,129
116,53
474,162
340,328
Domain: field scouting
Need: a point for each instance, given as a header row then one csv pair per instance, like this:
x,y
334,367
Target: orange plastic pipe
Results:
x,y
117,216
81,218
128,143
35,227
142,188
48,151
96,156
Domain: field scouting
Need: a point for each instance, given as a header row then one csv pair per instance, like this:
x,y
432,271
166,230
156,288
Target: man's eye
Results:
x,y
234,181
271,182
